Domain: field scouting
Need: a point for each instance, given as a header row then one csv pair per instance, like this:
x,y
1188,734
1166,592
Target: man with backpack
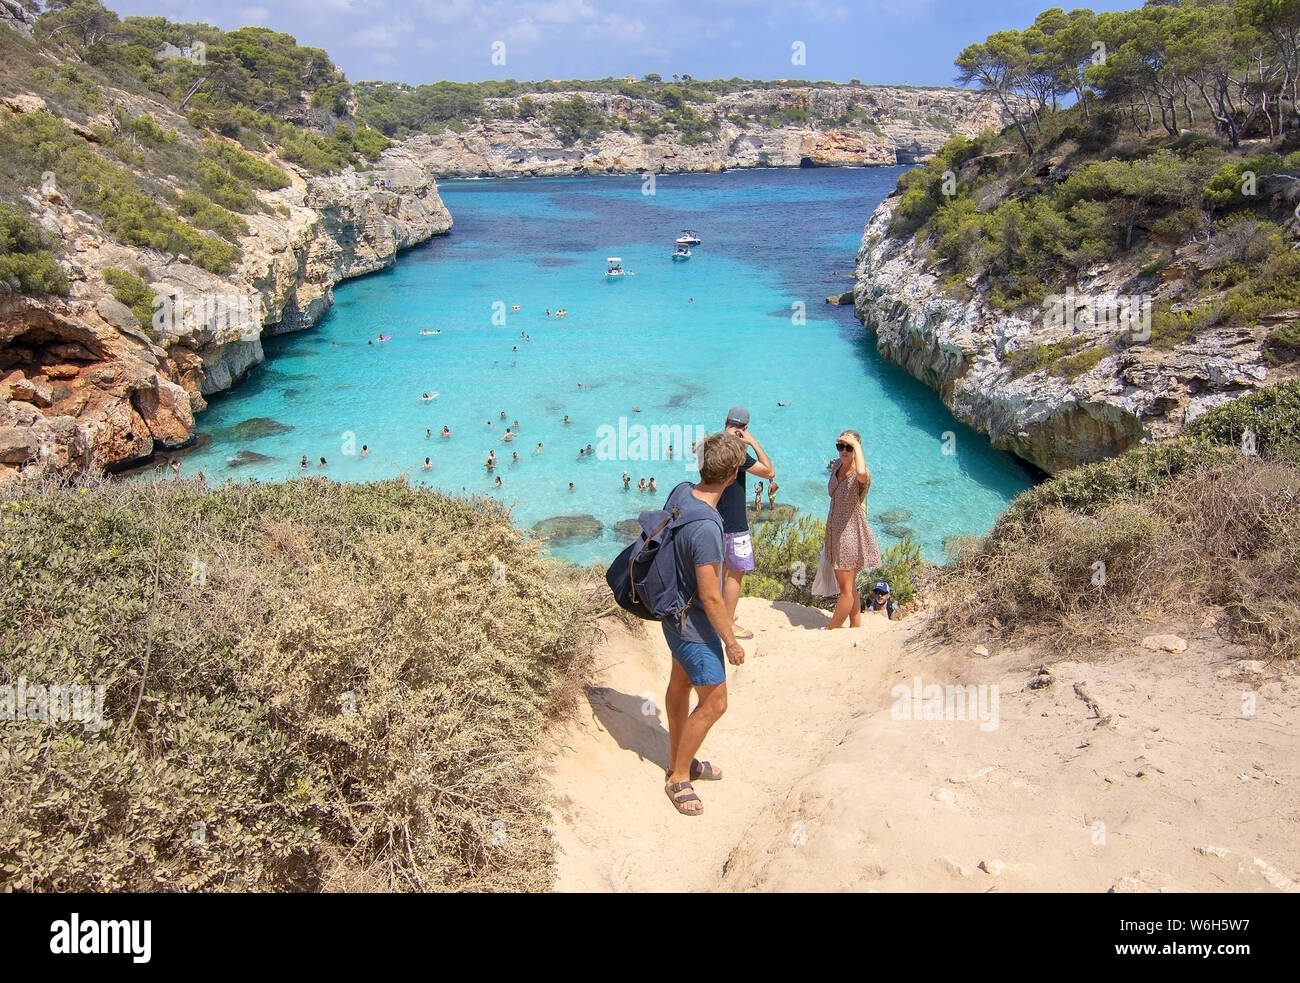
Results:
x,y
674,575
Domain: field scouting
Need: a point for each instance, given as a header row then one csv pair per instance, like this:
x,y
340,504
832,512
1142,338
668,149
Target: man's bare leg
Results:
x,y
677,707
731,591
712,705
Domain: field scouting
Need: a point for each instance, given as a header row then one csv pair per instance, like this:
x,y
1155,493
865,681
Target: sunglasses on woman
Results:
x,y
842,447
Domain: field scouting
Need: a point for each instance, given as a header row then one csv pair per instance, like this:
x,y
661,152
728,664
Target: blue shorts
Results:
x,y
703,661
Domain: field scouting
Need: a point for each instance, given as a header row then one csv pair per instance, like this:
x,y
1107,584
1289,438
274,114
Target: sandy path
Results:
x,y
826,789
795,696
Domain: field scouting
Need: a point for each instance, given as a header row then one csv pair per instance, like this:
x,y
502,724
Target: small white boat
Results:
x,y
614,268
428,397
688,238
680,254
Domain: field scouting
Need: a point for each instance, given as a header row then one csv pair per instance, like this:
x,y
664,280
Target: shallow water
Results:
x,y
683,341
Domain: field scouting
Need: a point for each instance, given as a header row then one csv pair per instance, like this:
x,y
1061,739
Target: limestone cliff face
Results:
x,y
960,349
83,387
907,125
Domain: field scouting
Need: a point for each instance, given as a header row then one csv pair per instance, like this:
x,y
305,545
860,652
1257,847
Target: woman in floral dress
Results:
x,y
850,546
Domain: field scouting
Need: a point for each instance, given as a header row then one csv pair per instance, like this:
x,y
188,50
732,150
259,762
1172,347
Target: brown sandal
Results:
x,y
678,800
701,771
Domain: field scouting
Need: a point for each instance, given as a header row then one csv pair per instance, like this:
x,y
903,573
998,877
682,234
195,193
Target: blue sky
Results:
x,y
878,41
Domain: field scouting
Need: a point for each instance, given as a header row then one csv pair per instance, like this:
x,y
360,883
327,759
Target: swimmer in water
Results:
x,y
322,462
566,418
428,432
176,466
427,464
514,457
627,481
515,307
365,451
571,487
491,461
516,426
497,483
653,486
503,414
785,404
509,436
640,485
539,449
446,432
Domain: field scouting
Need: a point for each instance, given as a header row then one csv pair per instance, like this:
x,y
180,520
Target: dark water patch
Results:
x,y
569,528
897,531
255,428
551,262
290,393
247,457
629,530
896,516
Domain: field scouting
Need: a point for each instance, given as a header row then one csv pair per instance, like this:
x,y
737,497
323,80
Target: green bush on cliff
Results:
x,y
34,144
206,215
244,166
787,552
130,290
306,686
27,262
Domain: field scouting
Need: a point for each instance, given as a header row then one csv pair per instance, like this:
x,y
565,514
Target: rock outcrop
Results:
x,y
1133,392
906,125
85,387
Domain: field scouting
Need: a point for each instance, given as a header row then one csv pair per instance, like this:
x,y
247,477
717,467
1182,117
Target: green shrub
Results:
x,y
130,290
756,585
244,165
788,552
27,261
206,215
900,566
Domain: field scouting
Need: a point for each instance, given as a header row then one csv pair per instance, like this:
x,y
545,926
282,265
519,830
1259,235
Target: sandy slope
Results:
x,y
826,790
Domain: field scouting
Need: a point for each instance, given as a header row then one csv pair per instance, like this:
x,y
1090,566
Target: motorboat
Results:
x,y
689,238
614,268
680,254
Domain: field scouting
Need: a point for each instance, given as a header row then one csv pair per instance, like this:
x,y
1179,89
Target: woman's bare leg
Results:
x,y
846,606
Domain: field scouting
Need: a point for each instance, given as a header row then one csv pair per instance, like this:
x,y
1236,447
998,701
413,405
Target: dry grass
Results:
x,y
349,696
1219,536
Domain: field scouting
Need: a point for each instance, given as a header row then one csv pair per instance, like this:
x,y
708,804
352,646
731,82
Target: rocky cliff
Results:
x,y
966,351
84,387
902,125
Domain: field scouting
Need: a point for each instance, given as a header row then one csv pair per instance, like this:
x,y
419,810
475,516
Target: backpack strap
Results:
x,y
681,518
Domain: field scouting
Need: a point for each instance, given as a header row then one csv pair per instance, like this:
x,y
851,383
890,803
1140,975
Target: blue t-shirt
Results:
x,y
697,544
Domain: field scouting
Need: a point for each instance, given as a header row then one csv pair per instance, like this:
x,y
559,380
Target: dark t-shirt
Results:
x,y
698,544
731,506
871,604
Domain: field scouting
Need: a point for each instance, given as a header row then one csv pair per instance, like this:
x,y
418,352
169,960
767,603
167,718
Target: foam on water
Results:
x,y
681,341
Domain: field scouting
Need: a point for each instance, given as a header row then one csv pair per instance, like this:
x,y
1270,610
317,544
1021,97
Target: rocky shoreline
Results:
x,y
83,388
909,125
962,348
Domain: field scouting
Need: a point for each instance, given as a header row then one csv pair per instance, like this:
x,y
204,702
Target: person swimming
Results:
x,y
539,448
515,307
566,418
365,451
497,483
640,485
571,487
446,432
491,461
627,481
653,485
590,451
514,457
428,432
322,462
302,464
503,414
427,464
509,436
516,426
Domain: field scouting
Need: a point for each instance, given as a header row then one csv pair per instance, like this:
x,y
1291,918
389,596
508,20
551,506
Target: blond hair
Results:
x,y
719,455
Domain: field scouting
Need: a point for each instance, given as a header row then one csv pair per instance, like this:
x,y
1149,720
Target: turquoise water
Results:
x,y
681,341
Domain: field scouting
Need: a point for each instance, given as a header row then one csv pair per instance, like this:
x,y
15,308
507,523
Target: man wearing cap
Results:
x,y
881,601
738,549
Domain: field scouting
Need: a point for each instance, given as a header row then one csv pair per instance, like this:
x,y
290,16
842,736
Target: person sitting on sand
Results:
x,y
881,601
702,642
427,464
446,432
758,497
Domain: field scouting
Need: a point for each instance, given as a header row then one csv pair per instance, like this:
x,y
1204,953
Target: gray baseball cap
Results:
x,y
738,415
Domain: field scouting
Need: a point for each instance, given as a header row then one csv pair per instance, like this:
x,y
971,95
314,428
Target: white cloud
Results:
x,y
829,13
